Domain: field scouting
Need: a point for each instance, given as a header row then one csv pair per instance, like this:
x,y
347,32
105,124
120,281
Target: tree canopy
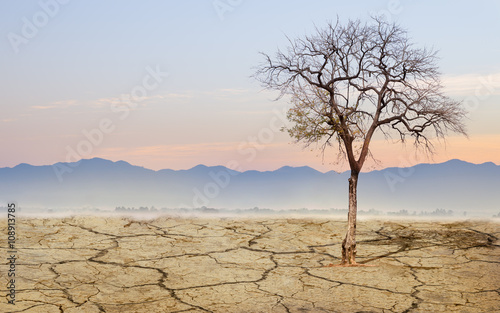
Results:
x,y
347,81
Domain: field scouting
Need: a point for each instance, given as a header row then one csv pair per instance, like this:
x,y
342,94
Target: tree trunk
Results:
x,y
349,243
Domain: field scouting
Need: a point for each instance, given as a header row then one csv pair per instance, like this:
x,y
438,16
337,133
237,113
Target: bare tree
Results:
x,y
346,82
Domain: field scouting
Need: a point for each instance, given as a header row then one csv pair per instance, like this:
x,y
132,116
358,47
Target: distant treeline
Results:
x,y
4,209
250,211
302,211
140,209
436,212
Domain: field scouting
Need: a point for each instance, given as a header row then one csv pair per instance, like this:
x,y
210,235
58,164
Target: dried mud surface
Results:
x,y
92,264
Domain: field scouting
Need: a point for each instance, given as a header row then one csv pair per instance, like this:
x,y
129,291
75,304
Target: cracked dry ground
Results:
x,y
92,264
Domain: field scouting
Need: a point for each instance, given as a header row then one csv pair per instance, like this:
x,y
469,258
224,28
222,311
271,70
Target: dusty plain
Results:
x,y
174,264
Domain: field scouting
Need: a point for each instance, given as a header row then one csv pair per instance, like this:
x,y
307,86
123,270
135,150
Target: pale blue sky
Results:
x,y
67,76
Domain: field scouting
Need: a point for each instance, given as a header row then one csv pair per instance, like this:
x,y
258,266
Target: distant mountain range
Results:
x,y
453,185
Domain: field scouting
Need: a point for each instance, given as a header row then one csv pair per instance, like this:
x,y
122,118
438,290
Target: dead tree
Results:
x,y
345,82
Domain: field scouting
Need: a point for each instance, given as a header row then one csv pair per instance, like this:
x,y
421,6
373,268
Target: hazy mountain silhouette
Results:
x,y
453,185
